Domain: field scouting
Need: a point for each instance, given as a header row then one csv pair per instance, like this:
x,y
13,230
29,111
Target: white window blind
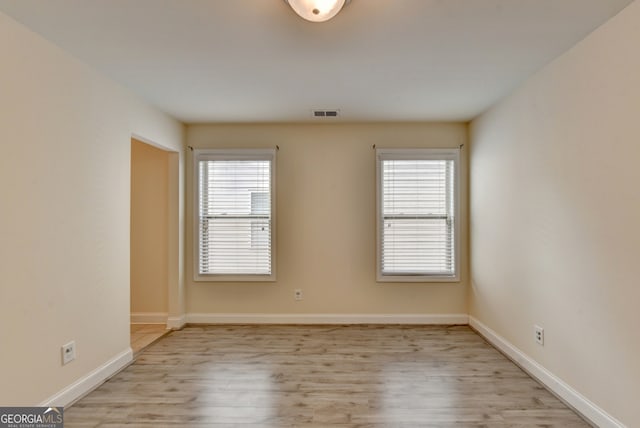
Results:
x,y
417,205
235,194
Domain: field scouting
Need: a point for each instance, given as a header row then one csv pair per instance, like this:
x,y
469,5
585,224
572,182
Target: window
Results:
x,y
235,216
417,214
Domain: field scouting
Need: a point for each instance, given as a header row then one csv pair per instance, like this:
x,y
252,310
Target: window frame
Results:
x,y
231,155
418,154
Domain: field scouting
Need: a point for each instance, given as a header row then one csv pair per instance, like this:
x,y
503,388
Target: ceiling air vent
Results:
x,y
325,113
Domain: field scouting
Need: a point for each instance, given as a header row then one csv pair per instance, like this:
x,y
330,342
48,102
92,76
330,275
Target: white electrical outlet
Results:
x,y
68,352
297,294
539,334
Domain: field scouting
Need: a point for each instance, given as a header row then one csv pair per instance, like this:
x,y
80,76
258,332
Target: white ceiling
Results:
x,y
255,60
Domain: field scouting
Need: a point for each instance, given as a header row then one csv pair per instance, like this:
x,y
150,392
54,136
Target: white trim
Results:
x,y
570,396
176,323
91,381
418,319
149,317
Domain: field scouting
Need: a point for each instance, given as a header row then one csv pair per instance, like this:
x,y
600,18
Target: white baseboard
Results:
x,y
149,317
573,398
433,319
91,381
176,323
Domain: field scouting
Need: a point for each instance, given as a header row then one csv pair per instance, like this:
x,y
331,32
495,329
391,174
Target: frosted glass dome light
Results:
x,y
316,10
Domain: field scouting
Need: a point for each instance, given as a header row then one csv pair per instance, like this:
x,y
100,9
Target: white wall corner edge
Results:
x,y
249,318
149,317
89,382
176,322
565,392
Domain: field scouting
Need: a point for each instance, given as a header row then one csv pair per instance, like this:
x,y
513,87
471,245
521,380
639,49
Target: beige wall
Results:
x,y
325,222
149,228
64,224
555,203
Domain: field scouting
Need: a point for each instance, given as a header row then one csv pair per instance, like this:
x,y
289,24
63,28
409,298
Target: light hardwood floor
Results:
x,y
143,335
321,376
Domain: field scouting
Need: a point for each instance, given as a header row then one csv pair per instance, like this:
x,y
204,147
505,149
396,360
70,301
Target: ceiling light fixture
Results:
x,y
317,10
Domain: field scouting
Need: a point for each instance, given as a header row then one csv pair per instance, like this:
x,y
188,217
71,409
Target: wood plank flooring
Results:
x,y
143,335
321,376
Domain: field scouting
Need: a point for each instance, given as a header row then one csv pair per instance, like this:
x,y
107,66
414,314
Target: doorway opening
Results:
x,y
149,250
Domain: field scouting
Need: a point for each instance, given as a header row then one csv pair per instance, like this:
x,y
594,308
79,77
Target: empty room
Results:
x,y
319,213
